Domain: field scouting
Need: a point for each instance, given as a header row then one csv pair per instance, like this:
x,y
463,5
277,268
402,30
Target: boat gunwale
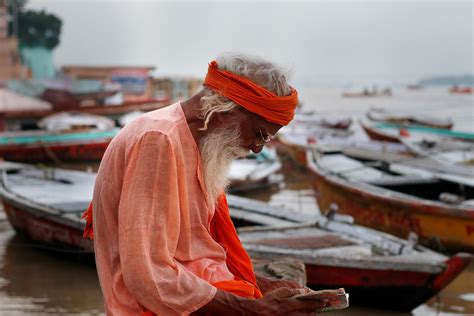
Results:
x,y
312,257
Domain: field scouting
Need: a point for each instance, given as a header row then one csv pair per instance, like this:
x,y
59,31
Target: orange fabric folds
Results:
x,y
88,231
251,96
237,260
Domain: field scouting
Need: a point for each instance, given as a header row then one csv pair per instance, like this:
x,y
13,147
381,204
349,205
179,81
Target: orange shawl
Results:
x,y
251,96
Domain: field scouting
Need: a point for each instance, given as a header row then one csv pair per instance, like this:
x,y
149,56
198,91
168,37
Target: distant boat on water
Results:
x,y
315,120
391,132
461,90
366,93
408,119
415,87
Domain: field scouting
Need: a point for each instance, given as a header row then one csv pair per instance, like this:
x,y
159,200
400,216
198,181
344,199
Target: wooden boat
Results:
x,y
461,90
415,87
379,135
383,115
294,145
374,267
366,93
394,132
128,117
321,120
24,119
45,205
59,146
377,269
398,197
449,152
75,120
255,171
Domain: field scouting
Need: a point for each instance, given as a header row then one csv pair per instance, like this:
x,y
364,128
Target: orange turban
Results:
x,y
251,96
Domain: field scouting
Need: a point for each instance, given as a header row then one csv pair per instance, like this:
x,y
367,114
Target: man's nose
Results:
x,y
256,149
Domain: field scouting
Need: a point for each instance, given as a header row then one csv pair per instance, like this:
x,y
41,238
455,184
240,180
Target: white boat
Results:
x,y
255,171
403,118
128,117
322,120
75,120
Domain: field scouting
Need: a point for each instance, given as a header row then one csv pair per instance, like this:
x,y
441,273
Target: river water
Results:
x,y
34,281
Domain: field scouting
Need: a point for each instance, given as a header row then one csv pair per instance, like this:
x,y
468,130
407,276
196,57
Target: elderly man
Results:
x,y
163,237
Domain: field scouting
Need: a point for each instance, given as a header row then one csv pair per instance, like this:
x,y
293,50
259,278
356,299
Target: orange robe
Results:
x,y
154,251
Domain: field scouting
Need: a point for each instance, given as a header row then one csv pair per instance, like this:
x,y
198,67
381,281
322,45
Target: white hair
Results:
x,y
256,69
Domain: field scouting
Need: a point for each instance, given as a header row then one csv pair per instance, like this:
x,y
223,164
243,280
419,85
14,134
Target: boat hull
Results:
x,y
55,234
386,289
58,152
378,135
294,152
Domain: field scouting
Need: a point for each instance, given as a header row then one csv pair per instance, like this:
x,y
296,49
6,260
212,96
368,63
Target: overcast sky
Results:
x,y
318,40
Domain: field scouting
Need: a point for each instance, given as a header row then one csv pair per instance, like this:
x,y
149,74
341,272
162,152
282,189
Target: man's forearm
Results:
x,y
280,302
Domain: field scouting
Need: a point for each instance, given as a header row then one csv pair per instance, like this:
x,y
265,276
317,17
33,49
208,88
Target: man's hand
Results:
x,y
274,303
268,285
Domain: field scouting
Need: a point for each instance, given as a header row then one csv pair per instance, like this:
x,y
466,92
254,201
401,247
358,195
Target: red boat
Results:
x,y
45,205
30,117
57,146
396,133
379,135
376,269
461,90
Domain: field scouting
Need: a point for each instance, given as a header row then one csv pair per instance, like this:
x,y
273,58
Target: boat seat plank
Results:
x,y
62,187
254,206
261,219
351,168
310,242
400,180
71,207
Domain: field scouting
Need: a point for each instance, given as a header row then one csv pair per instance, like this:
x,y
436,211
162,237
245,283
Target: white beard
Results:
x,y
218,149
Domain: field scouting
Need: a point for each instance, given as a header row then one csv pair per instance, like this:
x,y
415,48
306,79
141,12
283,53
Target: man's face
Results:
x,y
255,131
232,135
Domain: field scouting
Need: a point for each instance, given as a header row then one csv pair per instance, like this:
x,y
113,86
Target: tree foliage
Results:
x,y
35,28
12,7
39,29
